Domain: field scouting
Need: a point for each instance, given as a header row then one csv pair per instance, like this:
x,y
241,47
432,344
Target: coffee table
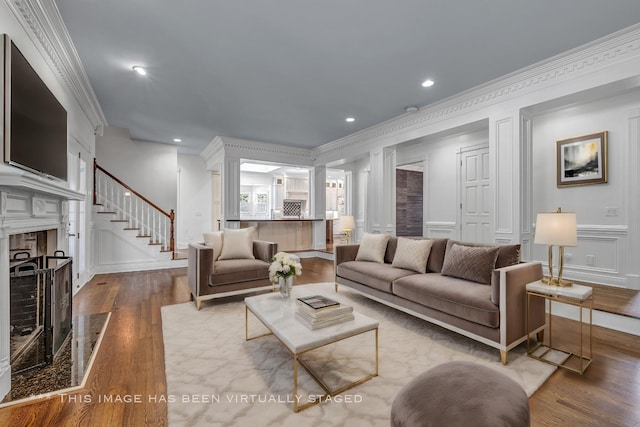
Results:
x,y
278,317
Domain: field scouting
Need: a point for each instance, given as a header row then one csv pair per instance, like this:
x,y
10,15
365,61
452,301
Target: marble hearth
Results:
x,y
28,203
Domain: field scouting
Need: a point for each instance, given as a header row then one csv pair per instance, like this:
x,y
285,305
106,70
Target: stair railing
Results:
x,y
133,208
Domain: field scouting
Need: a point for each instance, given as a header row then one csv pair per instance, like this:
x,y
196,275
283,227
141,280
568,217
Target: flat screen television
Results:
x,y
35,123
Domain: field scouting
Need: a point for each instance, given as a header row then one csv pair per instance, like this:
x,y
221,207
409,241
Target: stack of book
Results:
x,y
317,311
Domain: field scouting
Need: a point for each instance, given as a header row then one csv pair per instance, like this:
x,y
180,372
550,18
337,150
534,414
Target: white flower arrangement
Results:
x,y
284,265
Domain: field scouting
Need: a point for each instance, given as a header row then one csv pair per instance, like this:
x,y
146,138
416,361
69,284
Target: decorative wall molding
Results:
x,y
605,52
441,229
42,21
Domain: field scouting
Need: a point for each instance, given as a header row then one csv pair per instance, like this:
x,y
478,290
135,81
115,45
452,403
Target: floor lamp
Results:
x,y
347,224
556,229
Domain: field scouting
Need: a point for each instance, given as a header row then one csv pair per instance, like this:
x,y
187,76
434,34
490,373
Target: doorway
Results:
x,y
475,195
410,199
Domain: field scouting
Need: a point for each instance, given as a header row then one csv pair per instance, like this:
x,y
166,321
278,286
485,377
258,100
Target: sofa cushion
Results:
x,y
436,256
375,275
238,270
412,254
458,297
471,263
507,254
372,247
237,244
214,239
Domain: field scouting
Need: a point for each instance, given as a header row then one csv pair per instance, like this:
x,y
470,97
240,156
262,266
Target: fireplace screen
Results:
x,y
41,306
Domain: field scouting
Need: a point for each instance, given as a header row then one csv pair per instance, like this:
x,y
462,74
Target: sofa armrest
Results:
x,y
513,299
199,266
344,253
264,250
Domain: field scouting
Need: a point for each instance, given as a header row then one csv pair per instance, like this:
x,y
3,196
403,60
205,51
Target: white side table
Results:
x,y
576,295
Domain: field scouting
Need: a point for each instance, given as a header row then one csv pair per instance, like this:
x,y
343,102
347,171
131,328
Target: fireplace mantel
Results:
x,y
28,203
15,178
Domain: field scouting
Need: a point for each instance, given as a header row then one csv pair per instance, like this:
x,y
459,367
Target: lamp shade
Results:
x,y
557,228
347,222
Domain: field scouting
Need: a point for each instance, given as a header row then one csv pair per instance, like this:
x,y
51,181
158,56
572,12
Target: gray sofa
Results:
x,y
213,279
492,313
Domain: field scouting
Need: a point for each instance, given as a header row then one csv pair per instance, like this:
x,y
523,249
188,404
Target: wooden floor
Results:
x,y
130,363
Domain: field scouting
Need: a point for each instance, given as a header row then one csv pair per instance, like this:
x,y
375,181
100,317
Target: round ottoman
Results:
x,y
460,394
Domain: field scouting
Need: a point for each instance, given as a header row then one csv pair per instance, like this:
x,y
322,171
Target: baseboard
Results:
x,y
626,324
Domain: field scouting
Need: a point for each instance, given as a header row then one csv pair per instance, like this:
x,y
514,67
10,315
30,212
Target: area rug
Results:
x,y
215,377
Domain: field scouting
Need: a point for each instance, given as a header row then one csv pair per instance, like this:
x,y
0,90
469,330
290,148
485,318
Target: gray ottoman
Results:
x,y
460,394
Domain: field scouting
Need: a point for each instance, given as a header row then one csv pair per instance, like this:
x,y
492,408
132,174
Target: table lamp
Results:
x,y
556,229
347,224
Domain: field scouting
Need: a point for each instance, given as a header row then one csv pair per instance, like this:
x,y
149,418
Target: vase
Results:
x,y
284,286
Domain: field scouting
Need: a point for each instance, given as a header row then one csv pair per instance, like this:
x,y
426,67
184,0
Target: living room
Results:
x,y
513,122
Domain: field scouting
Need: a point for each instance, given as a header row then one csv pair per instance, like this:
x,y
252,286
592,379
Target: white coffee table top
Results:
x,y
279,317
578,292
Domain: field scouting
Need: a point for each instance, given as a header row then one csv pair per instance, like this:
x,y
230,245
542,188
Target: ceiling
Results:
x,y
291,71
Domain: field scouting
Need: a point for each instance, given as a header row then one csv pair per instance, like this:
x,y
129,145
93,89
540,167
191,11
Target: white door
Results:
x,y
77,181
475,196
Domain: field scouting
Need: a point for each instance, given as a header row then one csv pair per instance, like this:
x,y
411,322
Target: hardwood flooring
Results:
x,y
130,363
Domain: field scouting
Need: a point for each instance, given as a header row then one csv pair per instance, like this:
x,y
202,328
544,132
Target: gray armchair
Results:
x,y
210,279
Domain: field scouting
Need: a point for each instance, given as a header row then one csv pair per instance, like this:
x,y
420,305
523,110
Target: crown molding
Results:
x,y
597,55
258,150
42,21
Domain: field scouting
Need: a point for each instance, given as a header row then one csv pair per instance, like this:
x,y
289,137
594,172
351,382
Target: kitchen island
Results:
x,y
291,234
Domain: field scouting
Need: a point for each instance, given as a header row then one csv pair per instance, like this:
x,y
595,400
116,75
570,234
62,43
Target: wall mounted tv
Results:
x,y
35,123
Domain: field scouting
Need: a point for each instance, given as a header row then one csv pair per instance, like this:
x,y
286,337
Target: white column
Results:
x,y
231,191
504,150
5,346
633,202
317,210
389,191
375,214
526,197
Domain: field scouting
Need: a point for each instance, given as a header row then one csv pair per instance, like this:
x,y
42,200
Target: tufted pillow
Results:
x,y
412,254
237,244
214,239
471,263
372,247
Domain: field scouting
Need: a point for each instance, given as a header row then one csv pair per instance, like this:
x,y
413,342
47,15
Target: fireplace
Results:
x,y
40,299
36,208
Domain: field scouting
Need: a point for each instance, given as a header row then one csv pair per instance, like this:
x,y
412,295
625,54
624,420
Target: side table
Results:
x,y
576,295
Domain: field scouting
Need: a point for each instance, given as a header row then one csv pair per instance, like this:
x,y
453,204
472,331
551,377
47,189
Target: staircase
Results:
x,y
136,230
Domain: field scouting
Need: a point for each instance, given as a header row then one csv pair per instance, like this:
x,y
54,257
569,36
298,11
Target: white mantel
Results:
x,y
28,203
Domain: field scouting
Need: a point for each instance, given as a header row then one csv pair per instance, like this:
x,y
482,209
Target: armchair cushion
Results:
x,y
214,240
237,244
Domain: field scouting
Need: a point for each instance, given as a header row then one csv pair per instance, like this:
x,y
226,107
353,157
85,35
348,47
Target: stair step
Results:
x,y
131,228
119,220
106,212
144,236
154,243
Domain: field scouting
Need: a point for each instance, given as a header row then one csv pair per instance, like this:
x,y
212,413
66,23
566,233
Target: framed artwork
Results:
x,y
582,160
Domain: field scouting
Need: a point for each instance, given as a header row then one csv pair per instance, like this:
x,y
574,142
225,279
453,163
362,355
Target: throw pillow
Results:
x,y
214,239
237,244
471,263
412,254
372,247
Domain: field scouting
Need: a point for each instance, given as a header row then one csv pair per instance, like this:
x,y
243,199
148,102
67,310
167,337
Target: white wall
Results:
x,y
194,200
601,254
149,168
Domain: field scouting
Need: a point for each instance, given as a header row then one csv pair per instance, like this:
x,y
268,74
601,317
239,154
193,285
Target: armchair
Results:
x,y
210,279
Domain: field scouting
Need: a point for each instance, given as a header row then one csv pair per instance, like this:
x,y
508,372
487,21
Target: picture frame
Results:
x,y
582,160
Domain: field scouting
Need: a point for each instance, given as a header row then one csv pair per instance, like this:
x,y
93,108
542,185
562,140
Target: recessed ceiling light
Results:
x,y
427,83
350,119
138,69
177,140
410,108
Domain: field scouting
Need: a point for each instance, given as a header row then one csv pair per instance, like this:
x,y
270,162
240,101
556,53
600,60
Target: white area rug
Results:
x,y
215,377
